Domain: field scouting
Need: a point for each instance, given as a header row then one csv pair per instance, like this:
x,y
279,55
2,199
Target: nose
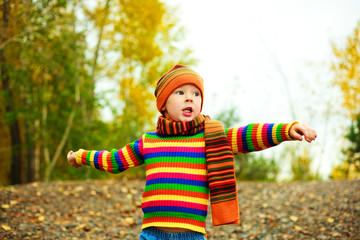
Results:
x,y
188,98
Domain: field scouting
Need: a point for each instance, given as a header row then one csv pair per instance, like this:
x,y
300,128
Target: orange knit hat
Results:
x,y
174,78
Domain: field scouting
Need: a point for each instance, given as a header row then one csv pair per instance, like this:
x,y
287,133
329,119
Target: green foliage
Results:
x,y
46,69
301,167
256,168
353,150
49,72
350,167
347,77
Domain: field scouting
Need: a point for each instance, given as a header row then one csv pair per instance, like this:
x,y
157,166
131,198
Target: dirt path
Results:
x,y
111,210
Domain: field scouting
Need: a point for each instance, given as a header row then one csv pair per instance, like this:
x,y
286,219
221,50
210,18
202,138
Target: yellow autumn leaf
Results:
x,y
5,206
5,227
347,74
80,226
330,220
297,228
294,218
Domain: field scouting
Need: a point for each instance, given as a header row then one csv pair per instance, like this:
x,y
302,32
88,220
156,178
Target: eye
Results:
x,y
196,94
179,92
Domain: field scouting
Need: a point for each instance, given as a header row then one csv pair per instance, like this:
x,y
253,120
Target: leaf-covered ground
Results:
x,y
110,209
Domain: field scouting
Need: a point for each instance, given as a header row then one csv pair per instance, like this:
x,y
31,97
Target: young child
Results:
x,y
189,160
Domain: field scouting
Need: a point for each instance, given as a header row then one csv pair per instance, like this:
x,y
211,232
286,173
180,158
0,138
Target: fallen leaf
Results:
x,y
133,191
130,220
5,206
297,228
294,218
124,190
6,227
80,226
330,220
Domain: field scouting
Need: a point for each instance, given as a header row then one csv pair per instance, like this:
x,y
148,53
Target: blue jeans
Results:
x,y
152,233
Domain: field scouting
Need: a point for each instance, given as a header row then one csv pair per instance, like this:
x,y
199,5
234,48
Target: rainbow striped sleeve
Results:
x,y
115,161
258,136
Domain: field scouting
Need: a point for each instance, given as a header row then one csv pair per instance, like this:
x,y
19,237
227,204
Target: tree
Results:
x,y
352,152
301,167
350,167
49,73
347,72
43,59
10,124
257,168
138,43
347,78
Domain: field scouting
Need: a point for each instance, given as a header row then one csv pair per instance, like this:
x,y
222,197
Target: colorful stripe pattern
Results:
x,y
177,192
257,136
115,161
221,175
167,126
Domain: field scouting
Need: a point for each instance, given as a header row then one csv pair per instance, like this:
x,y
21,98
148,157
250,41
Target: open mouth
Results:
x,y
188,110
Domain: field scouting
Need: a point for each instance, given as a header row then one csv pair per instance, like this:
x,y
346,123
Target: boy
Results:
x,y
189,160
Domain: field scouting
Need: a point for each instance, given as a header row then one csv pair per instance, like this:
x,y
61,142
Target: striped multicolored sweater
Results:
x,y
176,192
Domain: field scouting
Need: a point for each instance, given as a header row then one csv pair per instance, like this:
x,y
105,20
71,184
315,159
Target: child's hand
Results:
x,y
301,129
71,157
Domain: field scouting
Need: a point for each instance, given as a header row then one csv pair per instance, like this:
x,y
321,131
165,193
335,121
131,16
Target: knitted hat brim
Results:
x,y
177,76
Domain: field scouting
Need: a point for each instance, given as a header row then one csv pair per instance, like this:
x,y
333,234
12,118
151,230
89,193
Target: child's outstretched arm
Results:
x,y
114,161
71,157
260,136
301,129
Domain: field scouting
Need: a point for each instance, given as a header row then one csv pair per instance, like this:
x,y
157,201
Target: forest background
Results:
x,y
56,56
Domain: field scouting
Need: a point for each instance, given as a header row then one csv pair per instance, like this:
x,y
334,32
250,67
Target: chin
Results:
x,y
188,119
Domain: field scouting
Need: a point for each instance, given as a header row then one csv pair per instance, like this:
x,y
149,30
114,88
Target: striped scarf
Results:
x,y
220,164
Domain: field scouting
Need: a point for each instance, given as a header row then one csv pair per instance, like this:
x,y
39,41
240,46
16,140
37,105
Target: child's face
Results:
x,y
183,104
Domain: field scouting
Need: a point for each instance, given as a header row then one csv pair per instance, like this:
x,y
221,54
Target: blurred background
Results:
x,y
81,74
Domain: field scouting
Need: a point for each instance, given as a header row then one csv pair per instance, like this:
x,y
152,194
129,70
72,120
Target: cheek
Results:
x,y
198,103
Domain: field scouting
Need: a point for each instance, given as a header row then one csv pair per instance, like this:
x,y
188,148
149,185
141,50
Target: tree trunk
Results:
x,y
65,136
33,158
16,173
17,164
5,150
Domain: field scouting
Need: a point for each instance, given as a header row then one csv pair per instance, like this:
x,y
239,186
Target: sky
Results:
x,y
271,61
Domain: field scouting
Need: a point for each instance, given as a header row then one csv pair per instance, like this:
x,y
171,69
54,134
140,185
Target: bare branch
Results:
x,y
282,74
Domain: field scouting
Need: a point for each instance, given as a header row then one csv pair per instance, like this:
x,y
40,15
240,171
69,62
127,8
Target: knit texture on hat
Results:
x,y
177,76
